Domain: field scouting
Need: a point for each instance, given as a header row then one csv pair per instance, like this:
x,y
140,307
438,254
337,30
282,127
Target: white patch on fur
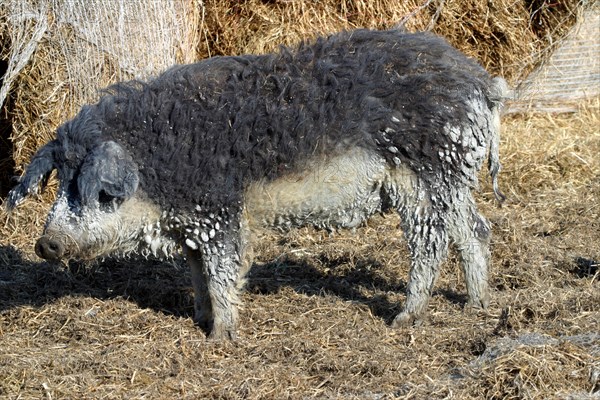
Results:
x,y
191,244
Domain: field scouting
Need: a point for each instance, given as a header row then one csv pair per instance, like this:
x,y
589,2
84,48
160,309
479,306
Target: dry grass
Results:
x,y
314,322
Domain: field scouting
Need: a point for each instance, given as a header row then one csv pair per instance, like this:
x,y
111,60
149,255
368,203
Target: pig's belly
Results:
x,y
340,192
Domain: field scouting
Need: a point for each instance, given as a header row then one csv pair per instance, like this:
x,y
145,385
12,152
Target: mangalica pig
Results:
x,y
326,134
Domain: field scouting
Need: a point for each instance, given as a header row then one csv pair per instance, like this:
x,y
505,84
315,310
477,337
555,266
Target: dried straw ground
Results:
x,y
316,313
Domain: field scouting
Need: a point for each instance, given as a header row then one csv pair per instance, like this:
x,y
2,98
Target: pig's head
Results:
x,y
99,209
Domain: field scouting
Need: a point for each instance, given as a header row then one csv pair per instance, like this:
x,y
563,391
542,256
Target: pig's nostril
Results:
x,y
49,249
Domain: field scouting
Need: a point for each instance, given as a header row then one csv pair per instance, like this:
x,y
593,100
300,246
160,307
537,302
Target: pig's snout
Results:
x,y
49,248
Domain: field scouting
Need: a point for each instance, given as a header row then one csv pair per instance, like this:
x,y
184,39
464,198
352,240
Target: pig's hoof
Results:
x,y
405,319
220,333
204,322
478,304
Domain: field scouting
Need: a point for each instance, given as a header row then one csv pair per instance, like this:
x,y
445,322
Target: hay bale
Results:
x,y
61,52
257,26
570,74
500,34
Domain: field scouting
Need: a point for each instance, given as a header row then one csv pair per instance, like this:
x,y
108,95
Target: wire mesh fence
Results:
x,y
569,74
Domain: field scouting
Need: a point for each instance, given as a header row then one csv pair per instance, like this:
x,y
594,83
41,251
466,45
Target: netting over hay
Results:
x,y
60,52
571,73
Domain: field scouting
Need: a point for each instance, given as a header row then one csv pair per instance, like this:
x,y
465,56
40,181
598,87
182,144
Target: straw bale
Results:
x,y
499,34
256,26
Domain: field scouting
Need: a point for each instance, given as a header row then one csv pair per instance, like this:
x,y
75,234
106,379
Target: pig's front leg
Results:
x,y
216,267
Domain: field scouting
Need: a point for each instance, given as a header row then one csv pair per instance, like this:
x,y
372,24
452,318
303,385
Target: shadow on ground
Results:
x,y
165,286
362,283
155,284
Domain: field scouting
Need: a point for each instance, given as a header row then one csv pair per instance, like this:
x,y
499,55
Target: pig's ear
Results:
x,y
38,171
108,173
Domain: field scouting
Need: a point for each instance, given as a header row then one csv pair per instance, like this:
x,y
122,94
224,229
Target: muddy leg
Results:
x,y
222,277
202,306
216,275
428,244
471,234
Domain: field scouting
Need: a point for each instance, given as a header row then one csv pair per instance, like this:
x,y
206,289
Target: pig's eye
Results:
x,y
105,198
107,201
